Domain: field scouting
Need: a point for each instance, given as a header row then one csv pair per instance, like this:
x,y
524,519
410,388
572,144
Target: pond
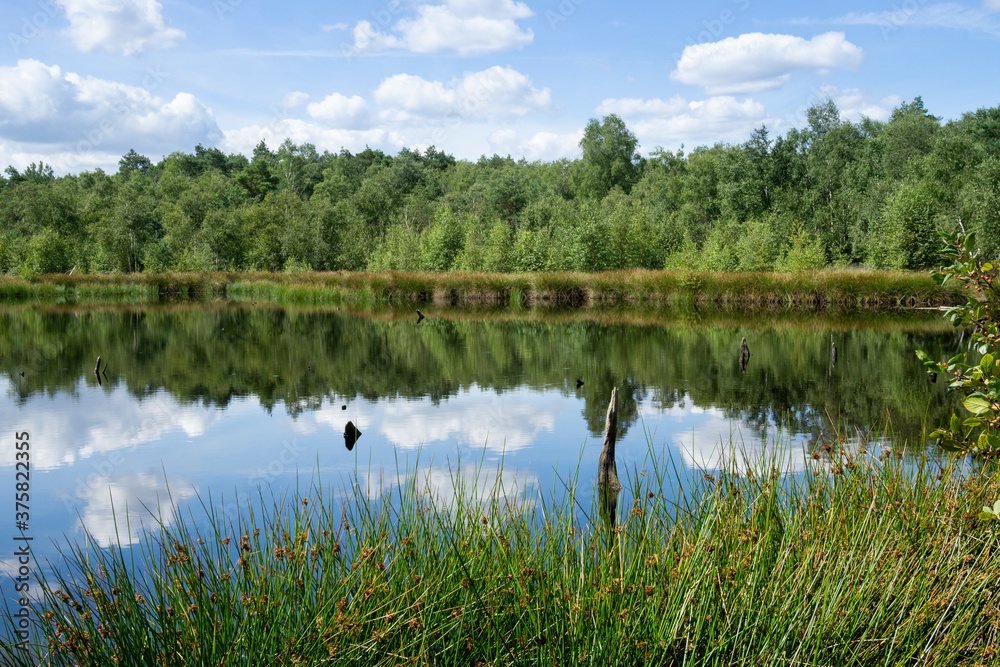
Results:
x,y
208,402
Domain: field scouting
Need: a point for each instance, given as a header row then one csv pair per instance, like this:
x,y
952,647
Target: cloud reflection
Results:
x,y
444,485
120,509
709,440
478,418
65,428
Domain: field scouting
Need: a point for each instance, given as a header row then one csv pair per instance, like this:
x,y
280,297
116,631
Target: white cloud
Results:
x,y
127,27
366,37
696,122
463,27
46,110
293,100
338,110
854,103
943,15
503,141
547,146
755,62
492,93
243,139
542,145
633,106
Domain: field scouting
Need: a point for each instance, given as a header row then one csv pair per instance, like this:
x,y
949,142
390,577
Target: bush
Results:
x,y
442,241
48,252
978,382
804,254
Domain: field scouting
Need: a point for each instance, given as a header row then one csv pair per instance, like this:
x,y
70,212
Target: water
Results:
x,y
216,400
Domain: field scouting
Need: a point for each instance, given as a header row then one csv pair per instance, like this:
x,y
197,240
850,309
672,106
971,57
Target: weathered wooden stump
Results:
x,y
608,485
744,355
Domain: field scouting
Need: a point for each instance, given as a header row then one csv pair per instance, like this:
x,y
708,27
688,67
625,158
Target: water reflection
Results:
x,y
508,422
225,399
716,442
116,510
445,485
72,428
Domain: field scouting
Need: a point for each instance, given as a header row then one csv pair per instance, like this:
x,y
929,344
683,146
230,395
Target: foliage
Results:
x,y
47,253
610,159
805,252
487,573
977,381
833,193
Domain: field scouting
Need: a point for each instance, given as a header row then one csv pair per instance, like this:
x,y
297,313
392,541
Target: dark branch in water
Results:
x,y
608,485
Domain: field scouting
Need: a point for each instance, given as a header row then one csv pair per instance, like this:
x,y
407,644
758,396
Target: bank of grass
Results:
x,y
137,287
860,560
811,290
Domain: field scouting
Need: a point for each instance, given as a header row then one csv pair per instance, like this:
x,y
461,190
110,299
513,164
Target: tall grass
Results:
x,y
818,289
860,560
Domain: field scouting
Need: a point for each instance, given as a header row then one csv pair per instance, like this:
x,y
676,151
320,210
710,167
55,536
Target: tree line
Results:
x,y
302,360
833,193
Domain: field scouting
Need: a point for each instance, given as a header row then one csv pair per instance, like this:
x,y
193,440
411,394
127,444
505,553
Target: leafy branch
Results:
x,y
979,382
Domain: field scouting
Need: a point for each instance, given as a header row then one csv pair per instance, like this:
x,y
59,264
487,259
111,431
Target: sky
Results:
x,y
84,81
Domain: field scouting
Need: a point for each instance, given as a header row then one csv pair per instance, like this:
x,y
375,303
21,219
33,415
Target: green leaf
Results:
x,y
988,266
987,516
950,445
984,442
956,425
987,362
977,405
996,508
972,422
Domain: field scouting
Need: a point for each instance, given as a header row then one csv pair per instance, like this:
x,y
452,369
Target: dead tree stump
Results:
x,y
608,485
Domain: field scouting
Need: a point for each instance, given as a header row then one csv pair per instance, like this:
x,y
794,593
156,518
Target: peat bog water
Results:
x,y
207,402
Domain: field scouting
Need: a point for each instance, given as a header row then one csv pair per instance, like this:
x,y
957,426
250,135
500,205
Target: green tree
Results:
x,y
124,230
258,178
906,237
609,157
131,163
442,241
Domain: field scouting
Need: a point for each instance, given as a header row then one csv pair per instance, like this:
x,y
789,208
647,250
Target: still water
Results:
x,y
216,400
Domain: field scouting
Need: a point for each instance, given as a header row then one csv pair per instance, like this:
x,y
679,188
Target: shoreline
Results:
x,y
819,290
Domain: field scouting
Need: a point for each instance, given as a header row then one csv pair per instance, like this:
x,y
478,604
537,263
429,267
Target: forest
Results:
x,y
835,193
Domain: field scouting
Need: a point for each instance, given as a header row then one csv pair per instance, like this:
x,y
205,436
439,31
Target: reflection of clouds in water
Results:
x,y
443,484
119,509
337,419
66,428
709,440
477,418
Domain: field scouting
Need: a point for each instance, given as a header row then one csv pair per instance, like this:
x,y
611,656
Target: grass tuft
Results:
x,y
861,559
808,290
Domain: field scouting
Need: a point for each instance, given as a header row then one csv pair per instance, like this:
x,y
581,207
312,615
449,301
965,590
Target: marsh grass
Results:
x,y
133,287
807,290
859,560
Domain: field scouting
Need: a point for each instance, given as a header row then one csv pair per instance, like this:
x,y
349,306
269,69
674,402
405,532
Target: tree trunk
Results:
x,y
608,485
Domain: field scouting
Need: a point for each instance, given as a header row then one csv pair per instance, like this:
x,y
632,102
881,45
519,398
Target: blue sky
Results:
x,y
83,81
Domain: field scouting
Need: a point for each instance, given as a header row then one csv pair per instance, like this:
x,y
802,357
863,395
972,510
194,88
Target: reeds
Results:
x,y
859,560
808,290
